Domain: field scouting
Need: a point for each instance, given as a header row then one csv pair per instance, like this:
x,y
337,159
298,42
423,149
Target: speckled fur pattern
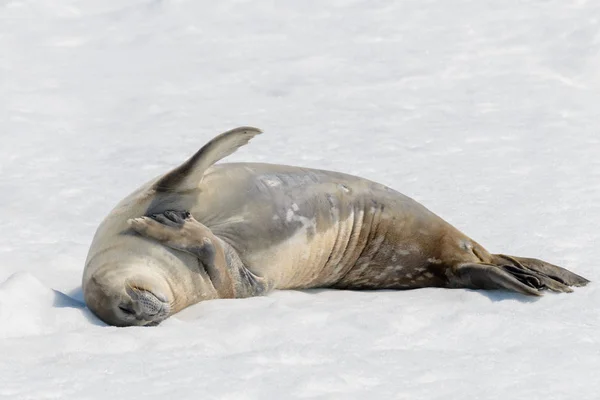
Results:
x,y
326,229
299,228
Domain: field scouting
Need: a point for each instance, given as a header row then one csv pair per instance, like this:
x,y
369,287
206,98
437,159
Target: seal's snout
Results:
x,y
132,302
145,306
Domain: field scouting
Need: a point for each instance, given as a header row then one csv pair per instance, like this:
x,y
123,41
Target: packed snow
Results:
x,y
484,111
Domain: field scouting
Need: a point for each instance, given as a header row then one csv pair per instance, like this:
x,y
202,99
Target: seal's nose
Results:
x,y
145,305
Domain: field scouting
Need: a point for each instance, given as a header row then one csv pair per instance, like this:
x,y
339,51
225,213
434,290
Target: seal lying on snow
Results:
x,y
205,231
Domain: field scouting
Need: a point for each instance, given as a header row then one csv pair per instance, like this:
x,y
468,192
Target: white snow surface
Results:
x,y
484,111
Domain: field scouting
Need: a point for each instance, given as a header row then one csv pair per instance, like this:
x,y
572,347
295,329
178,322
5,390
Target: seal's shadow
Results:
x,y
497,296
75,300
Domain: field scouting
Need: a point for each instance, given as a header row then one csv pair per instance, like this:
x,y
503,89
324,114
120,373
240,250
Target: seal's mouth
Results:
x,y
144,307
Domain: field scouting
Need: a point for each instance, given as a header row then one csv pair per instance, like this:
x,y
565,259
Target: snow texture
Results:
x,y
485,111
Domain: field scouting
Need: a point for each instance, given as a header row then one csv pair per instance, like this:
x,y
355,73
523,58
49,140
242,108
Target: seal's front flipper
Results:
x,y
181,231
165,228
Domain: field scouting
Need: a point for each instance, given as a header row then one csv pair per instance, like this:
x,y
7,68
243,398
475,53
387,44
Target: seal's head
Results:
x,y
124,297
129,280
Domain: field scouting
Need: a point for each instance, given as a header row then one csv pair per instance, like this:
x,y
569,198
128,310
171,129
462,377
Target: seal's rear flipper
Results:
x,y
522,275
189,174
543,269
490,277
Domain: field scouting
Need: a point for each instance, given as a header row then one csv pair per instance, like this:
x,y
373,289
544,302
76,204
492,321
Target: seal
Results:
x,y
235,230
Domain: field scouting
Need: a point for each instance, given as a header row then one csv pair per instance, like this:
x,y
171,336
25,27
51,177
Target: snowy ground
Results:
x,y
485,111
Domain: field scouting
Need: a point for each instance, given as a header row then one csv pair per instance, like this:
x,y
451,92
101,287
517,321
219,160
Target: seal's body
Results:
x,y
306,228
207,231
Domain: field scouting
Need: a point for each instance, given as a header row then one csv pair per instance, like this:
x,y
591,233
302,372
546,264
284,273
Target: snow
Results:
x,y
486,112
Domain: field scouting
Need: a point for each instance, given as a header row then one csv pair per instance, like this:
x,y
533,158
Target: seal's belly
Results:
x,y
312,258
369,249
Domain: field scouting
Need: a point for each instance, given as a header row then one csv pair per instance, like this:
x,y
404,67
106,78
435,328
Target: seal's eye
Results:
x,y
126,309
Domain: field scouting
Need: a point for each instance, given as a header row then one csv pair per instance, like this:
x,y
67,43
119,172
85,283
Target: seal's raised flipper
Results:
x,y
189,174
181,231
523,275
